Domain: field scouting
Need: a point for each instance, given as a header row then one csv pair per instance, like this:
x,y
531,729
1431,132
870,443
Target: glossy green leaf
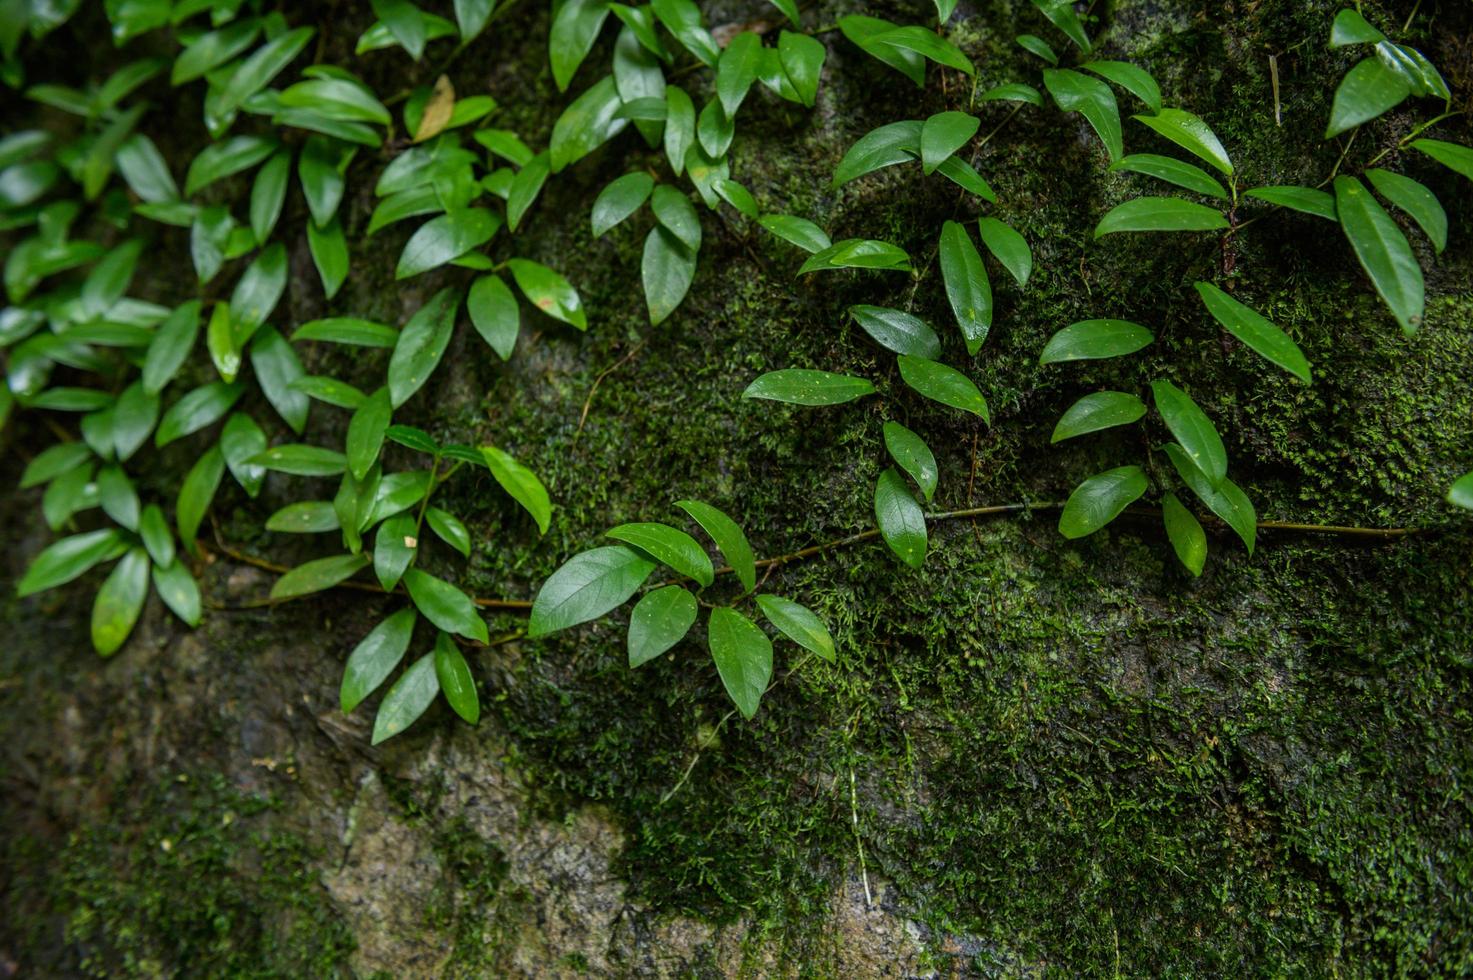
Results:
x,y
119,602
1416,200
1160,214
321,169
1383,251
258,291
118,498
1173,171
680,127
621,198
134,416
669,545
897,331
968,288
1192,134
409,698
494,314
902,524
449,529
1036,45
1134,79
667,269
53,461
1460,494
268,194
682,18
445,238
366,432
927,44
521,483
588,123
406,24
329,248
1091,98
798,386
588,585
1100,499
320,387
549,292
305,517
257,71
943,383
1008,247
212,49
799,624
743,656
913,456
738,197
221,342
802,58
575,28
797,231
1193,430
1255,330
857,253
1351,28
69,559
201,407
1101,410
276,366
471,16
866,31
300,459
1012,92
1368,90
222,159
898,142
1094,339
659,620
144,169
1185,533
1225,500
524,189
395,546
456,682
943,134
196,494
714,130
728,536
1303,199
421,345
1061,14
348,330
444,605
736,70
337,98
1458,159
179,591
375,657
240,439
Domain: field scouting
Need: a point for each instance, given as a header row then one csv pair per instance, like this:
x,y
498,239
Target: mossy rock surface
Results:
x,y
1032,758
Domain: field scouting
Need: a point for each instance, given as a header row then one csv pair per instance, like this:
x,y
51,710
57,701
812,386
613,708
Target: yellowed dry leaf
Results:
x,y
437,110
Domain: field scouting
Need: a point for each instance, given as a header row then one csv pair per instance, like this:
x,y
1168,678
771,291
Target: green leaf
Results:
x,y
134,416
798,624
145,170
258,291
738,197
797,231
406,24
410,697
329,250
337,98
1458,159
898,331
1037,46
1225,500
220,341
1185,533
714,130
1189,132
456,682
1193,430
1061,14
119,602
1094,339
621,198
1100,499
673,210
1013,92
521,483
575,28
1101,410
1256,331
902,524
276,367
366,432
118,498
736,70
416,439
802,57
798,386
588,585
682,18
968,288
743,656
943,383
898,142
240,439
268,194
53,462
69,559
524,189
471,17
549,292
927,44
1368,90
375,657
445,605
1304,199
422,344
1460,494
299,459
305,517
321,170
1416,200
1008,247
321,388
588,123
196,493
913,456
1351,28
179,591
865,31
494,314
398,492
348,330
1173,171
1384,252
660,620
680,127
201,407
728,536
394,549
669,545
1092,98
257,71
450,530
213,49
943,134
443,239
1160,214
667,270
222,159
1134,79
857,253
